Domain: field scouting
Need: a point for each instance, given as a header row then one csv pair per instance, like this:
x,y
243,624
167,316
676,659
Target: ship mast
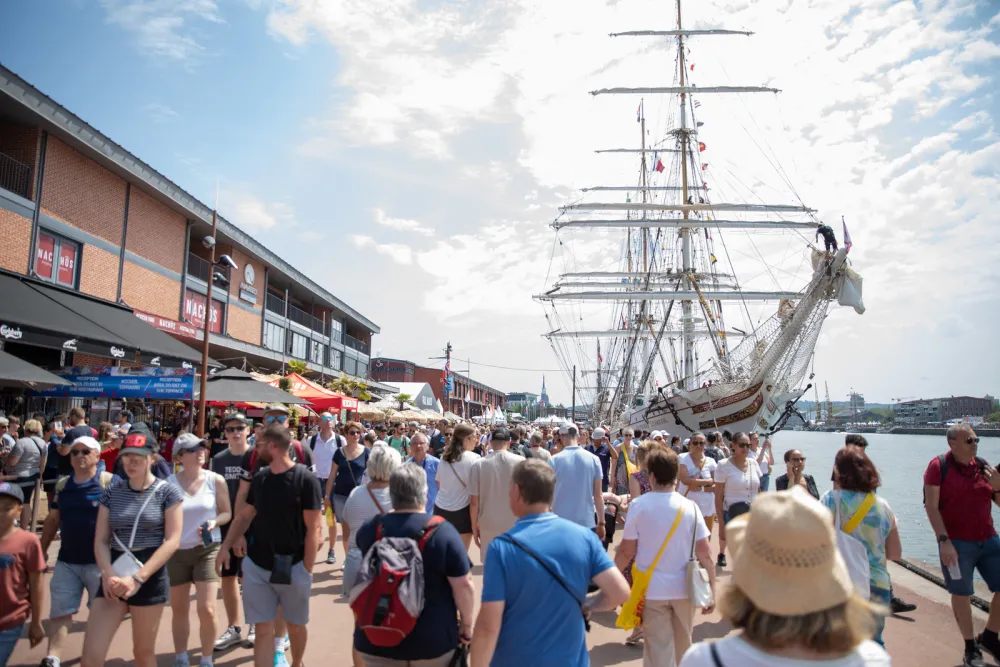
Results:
x,y
687,340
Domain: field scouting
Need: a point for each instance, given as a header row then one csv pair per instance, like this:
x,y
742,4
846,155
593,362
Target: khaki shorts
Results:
x,y
197,564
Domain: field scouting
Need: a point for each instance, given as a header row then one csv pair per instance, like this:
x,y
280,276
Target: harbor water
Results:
x,y
901,461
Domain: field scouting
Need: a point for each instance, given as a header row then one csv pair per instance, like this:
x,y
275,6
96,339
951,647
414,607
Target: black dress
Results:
x,y
781,484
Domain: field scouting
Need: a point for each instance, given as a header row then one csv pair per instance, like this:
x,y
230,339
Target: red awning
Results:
x,y
318,396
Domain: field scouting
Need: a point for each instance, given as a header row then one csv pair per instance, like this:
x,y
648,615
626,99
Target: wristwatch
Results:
x,y
942,538
139,579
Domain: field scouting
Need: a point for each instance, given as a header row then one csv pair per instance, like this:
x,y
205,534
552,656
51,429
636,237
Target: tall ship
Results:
x,y
703,303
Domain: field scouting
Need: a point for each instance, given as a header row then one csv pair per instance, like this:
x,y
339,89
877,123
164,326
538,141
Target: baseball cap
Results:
x,y
500,434
599,434
656,434
89,442
12,490
139,440
569,429
187,442
276,407
234,417
78,431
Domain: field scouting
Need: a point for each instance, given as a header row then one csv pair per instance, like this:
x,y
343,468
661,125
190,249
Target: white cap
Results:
x,y
656,434
599,434
89,441
564,429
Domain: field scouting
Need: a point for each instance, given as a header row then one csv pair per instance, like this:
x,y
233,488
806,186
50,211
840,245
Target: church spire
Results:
x,y
545,396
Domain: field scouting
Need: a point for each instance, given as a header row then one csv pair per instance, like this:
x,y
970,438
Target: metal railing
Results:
x,y
274,303
355,344
317,325
299,316
198,267
15,176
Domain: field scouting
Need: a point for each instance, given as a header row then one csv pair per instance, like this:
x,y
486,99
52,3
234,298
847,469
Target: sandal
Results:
x,y
633,639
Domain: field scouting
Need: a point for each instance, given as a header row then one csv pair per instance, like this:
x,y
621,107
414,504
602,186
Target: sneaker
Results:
x,y
231,637
280,660
286,643
721,560
973,658
991,646
897,606
47,662
331,557
182,662
251,636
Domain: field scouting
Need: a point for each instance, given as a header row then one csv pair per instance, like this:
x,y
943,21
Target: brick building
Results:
x,y
943,409
83,214
468,398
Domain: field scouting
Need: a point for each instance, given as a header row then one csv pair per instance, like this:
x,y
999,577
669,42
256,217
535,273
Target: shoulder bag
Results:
x,y
698,584
127,565
378,505
631,614
853,550
455,473
508,538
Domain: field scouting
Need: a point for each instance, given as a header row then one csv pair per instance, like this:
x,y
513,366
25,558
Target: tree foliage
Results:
x,y
402,398
296,366
351,387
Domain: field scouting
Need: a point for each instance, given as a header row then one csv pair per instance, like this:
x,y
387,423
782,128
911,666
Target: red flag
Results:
x,y
659,165
692,67
704,166
847,237
701,146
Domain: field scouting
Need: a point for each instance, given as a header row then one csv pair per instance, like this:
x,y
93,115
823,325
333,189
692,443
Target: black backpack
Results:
x,y
943,462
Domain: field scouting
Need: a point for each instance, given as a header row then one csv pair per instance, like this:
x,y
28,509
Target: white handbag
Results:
x,y
855,556
127,565
698,584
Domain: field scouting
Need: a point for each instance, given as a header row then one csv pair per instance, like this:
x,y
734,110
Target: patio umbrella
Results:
x,y
235,386
16,372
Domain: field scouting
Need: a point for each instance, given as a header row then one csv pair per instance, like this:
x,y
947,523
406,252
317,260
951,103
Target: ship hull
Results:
x,y
755,408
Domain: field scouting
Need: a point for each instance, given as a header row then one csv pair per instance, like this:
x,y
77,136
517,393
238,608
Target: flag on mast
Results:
x,y
847,237
659,165
638,113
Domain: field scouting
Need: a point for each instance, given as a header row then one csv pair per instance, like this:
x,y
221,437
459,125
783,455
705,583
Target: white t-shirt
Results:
x,y
733,651
741,487
453,482
322,453
649,519
359,508
705,500
765,467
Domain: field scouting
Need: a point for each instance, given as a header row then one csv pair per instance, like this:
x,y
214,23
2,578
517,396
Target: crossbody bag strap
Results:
x,y
559,580
694,535
368,488
860,514
135,525
716,660
455,473
677,522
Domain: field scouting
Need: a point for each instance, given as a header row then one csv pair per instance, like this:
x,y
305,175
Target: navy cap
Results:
x,y
500,434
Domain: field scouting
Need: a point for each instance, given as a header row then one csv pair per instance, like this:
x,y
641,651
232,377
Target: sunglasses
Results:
x,y
235,429
798,460
972,441
281,419
354,433
79,452
326,419
696,443
195,450
742,445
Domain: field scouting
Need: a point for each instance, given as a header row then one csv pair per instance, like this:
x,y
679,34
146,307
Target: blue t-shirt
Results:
x,y
603,454
542,625
576,469
349,473
430,466
77,505
436,631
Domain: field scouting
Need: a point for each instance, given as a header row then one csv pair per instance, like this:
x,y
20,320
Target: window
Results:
x,y
297,346
274,336
336,330
56,259
350,365
362,369
335,359
317,352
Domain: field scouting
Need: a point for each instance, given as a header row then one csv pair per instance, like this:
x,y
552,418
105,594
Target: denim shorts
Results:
x,y
338,507
8,640
982,556
69,581
261,598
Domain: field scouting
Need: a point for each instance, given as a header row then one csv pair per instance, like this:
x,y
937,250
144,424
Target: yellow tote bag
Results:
x,y
631,614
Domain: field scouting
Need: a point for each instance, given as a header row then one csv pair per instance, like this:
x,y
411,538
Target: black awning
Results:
x,y
156,347
16,372
30,316
236,386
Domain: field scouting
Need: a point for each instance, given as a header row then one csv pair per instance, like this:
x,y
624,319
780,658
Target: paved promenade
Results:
x,y
927,637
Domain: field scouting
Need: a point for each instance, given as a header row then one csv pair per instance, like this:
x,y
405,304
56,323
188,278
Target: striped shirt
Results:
x,y
123,504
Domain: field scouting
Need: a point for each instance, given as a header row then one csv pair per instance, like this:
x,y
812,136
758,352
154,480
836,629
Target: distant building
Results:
x,y
521,397
857,402
468,397
545,395
943,409
421,393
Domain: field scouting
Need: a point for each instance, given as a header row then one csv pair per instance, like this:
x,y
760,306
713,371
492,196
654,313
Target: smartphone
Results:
x,y
206,535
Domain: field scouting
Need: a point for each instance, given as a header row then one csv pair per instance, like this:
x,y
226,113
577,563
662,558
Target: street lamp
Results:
x,y
227,261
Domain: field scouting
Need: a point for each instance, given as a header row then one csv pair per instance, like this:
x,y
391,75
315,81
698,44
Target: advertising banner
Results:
x,y
145,382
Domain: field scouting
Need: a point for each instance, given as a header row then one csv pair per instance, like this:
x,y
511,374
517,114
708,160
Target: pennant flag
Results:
x,y
638,113
847,237
600,359
712,258
704,166
692,67
701,146
659,166
704,186
697,104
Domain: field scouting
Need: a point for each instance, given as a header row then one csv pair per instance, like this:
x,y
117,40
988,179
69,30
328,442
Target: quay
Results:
x,y
927,637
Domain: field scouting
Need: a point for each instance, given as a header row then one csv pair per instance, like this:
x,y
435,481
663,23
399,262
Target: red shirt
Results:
x,y
966,503
20,554
109,456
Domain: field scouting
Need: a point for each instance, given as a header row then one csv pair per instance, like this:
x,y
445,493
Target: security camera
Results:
x,y
208,242
228,261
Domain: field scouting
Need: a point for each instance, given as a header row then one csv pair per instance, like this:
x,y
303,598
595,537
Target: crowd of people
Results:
x,y
809,576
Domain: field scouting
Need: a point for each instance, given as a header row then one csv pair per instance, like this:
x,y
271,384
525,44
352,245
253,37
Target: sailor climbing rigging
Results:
x,y
828,236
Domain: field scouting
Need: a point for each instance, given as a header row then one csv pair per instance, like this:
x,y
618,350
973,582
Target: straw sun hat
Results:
x,y
785,556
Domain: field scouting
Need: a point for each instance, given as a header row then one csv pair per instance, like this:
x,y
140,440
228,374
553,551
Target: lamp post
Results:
x,y
224,260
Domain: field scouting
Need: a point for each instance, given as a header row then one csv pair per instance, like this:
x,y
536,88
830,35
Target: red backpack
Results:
x,y
388,596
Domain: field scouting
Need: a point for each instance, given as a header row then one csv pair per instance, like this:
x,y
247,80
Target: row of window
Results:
x,y
294,344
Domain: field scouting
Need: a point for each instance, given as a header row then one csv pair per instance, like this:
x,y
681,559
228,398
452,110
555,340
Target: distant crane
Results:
x,y
819,408
829,403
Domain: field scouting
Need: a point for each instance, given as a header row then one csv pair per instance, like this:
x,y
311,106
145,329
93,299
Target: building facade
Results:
x,y
468,397
923,411
83,214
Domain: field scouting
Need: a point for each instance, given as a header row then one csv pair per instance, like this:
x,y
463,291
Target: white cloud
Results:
x,y
160,113
397,252
252,213
401,224
164,28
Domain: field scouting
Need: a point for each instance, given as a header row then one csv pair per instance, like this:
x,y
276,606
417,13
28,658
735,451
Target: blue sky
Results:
x,y
409,154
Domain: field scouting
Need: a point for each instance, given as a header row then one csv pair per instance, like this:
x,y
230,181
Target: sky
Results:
x,y
410,154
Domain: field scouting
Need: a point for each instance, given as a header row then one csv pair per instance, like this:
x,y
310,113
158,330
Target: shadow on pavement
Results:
x,y
714,630
613,653
607,619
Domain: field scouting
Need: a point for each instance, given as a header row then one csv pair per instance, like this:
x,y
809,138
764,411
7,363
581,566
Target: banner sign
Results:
x,y
169,325
17,333
146,382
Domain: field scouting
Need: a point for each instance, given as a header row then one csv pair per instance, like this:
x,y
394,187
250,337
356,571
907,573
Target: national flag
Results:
x,y
712,258
704,166
702,146
659,166
692,67
699,124
847,237
600,359
638,113
697,104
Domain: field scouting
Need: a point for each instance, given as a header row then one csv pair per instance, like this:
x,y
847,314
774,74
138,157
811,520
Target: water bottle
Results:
x,y
955,572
